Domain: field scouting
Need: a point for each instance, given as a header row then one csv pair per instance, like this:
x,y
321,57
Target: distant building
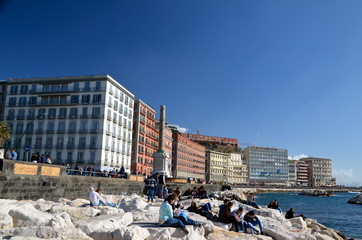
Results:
x,y
302,173
217,166
215,141
267,166
188,158
237,170
145,138
3,85
292,173
85,120
319,172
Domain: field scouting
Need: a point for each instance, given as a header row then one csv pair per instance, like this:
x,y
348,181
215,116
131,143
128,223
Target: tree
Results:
x,y
5,132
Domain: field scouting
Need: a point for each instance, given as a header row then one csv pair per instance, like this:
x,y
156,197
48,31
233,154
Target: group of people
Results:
x,y
196,193
156,186
36,158
10,154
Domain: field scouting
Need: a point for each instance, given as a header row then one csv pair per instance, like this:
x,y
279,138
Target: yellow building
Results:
x,y
237,170
217,166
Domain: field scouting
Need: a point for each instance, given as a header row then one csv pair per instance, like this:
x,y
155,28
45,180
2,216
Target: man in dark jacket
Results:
x,y
150,187
225,216
252,220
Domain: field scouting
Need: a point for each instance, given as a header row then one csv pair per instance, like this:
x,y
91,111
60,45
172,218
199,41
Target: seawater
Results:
x,y
333,211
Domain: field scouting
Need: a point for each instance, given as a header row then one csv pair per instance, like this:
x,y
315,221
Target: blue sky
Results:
x,y
283,74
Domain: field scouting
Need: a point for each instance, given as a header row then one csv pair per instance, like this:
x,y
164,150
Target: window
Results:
x,y
62,113
24,89
98,86
76,86
46,88
97,98
19,128
93,142
60,141
32,100
50,128
94,126
54,100
120,108
41,113
52,113
38,142
59,157
31,113
21,114
72,127
55,87
73,112
64,87
45,100
87,86
22,101
12,101
115,105
82,142
14,90
126,102
61,127
96,112
69,157
86,99
85,112
83,127
74,99
33,87
71,141
92,157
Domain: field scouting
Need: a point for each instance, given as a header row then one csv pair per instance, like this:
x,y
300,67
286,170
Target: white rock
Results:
x,y
167,233
5,221
134,232
60,221
133,205
50,233
299,223
26,215
76,213
220,234
108,223
319,236
78,202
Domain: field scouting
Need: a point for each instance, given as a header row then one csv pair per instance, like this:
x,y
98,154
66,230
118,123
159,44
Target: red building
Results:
x,y
188,158
213,140
145,138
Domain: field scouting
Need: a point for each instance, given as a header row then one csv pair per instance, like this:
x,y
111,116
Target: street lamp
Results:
x,y
18,142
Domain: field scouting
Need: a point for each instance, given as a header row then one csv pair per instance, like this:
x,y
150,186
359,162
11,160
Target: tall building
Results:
x,y
217,166
3,85
211,140
237,170
319,172
188,158
145,137
267,165
302,173
292,173
84,120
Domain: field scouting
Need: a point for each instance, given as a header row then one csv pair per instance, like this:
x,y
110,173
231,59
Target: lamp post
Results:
x,y
18,141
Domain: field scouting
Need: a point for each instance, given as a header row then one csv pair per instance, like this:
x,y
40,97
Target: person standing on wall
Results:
x,y
161,184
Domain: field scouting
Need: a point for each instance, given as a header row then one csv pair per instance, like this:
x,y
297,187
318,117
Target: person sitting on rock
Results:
x,y
251,201
166,218
203,210
274,205
238,213
187,193
96,199
251,220
225,216
226,201
201,193
290,214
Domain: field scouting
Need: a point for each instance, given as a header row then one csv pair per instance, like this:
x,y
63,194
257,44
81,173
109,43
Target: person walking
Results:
x,y
14,154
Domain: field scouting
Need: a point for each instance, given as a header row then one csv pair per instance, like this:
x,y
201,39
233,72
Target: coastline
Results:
x,y
135,219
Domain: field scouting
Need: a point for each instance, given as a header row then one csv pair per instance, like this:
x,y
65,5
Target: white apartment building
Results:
x,y
237,173
85,120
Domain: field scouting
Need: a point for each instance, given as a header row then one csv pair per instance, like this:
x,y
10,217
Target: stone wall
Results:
x,y
19,180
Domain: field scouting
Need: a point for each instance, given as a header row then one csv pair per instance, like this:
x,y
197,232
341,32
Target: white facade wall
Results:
x,y
72,135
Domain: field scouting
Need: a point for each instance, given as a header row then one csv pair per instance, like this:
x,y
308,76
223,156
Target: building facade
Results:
x,y
292,173
237,170
85,120
188,158
267,166
217,166
302,173
319,172
145,138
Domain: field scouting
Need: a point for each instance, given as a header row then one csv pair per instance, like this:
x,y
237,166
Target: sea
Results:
x,y
333,212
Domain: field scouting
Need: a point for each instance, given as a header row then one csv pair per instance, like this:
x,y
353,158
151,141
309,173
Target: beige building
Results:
x,y
319,172
302,173
237,170
217,166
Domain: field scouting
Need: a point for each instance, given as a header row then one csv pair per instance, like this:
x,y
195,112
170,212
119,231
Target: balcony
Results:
x,y
109,118
93,146
61,131
83,131
82,146
94,131
73,116
70,146
22,117
59,146
84,116
38,146
62,116
9,117
39,131
30,117
72,131
48,146
50,131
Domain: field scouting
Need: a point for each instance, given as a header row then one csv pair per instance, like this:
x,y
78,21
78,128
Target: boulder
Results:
x,y
356,199
26,215
62,220
219,234
319,236
5,221
133,205
108,223
78,202
167,233
299,223
76,213
50,233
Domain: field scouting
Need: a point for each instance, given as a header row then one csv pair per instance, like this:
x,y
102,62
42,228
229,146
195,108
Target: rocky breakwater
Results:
x,y
356,199
135,219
